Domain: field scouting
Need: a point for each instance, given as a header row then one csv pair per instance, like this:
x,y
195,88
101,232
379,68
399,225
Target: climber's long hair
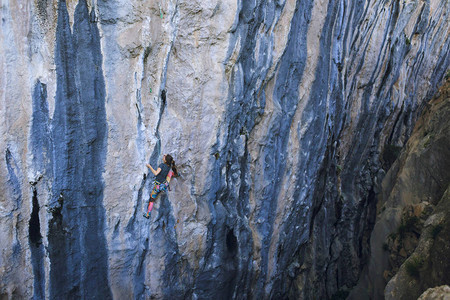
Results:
x,y
171,162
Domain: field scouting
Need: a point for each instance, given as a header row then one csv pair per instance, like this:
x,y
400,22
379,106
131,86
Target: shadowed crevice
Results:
x,y
37,249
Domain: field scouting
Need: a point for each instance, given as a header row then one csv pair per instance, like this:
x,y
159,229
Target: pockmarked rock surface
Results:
x,y
437,293
278,114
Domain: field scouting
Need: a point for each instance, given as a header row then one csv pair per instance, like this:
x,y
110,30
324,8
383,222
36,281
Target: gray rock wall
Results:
x,y
276,113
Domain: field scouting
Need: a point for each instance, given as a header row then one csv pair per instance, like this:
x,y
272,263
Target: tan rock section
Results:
x,y
437,293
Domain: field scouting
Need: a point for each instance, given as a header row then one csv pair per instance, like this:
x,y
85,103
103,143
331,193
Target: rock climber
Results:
x,y
165,171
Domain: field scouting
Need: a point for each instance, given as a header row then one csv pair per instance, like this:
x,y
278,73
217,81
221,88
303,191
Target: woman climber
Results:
x,y
164,173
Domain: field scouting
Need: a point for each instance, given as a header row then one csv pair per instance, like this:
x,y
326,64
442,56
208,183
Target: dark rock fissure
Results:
x,y
140,140
34,223
231,242
37,249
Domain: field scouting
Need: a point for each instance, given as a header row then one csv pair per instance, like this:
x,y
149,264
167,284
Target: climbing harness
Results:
x,y
158,188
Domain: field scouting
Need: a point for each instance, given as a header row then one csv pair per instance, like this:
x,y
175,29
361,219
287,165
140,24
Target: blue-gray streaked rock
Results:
x,y
276,113
76,237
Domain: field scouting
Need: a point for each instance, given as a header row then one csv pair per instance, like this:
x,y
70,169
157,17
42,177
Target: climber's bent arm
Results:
x,y
153,170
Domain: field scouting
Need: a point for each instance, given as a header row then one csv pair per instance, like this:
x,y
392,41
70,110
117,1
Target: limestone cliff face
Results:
x,y
276,112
